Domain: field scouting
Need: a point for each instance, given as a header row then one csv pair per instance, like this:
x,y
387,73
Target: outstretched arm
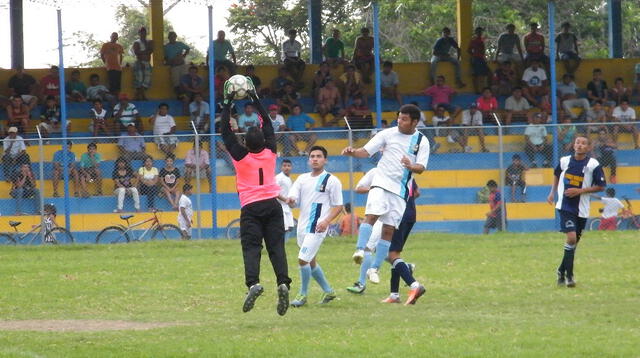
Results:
x,y
234,148
267,127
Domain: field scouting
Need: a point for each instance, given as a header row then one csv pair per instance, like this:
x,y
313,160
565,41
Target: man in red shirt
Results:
x,y
441,96
487,103
479,69
534,45
50,84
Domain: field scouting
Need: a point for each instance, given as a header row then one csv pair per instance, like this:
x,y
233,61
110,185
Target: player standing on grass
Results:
x,y
284,182
260,214
576,176
406,152
319,195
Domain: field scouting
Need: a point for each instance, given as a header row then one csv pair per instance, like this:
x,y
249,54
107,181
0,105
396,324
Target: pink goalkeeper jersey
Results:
x,y
256,177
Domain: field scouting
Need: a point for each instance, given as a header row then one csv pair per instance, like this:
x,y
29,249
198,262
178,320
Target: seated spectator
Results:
x,y
441,96
98,117
292,57
507,42
487,103
534,45
164,130
278,84
358,111
320,79
566,135
190,85
504,79
222,75
440,119
175,53
250,71
279,125
199,112
472,117
18,114
422,122
442,53
363,58
58,160
328,101
50,84
567,49
90,170
287,99
75,89
389,82
148,177
567,92
191,162
50,116
479,69
351,82
131,144
605,150
597,89
597,115
333,49
169,176
124,113
14,153
123,182
222,48
24,86
536,141
248,119
297,122
24,187
517,107
534,82
514,178
97,91
619,92
625,113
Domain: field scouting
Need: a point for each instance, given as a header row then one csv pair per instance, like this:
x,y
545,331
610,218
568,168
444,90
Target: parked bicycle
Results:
x,y
126,233
56,235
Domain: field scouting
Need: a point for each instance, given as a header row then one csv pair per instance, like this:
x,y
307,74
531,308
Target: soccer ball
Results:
x,y
239,84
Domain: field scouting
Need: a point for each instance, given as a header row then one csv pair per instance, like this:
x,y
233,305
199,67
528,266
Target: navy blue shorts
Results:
x,y
570,222
479,67
400,235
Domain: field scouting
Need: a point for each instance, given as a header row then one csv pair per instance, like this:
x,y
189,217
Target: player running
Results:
x,y
319,195
575,178
284,182
406,152
260,214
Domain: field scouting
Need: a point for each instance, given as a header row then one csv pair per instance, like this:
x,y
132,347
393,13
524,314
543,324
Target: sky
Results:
x,y
97,17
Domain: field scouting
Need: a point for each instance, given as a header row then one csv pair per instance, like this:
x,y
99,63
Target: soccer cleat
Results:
x,y
570,282
391,299
358,256
372,275
327,297
254,292
414,294
299,301
561,279
357,288
283,299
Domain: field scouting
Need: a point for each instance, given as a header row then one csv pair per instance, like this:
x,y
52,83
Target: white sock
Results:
x,y
394,295
415,285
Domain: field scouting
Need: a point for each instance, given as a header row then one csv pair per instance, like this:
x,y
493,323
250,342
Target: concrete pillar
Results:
x,y
157,31
464,20
614,8
315,30
17,34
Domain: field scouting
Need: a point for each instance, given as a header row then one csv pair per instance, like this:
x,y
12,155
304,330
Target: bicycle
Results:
x,y
124,234
57,235
232,231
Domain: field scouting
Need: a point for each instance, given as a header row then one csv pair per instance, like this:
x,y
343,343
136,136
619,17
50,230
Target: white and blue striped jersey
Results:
x,y
392,176
315,195
574,173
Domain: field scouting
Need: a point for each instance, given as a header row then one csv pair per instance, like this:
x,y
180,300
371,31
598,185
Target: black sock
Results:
x,y
395,281
567,261
403,271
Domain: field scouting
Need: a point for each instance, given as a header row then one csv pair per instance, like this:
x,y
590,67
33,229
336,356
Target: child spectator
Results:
x,y
479,69
389,82
164,130
504,79
624,113
50,116
441,96
517,107
352,84
442,53
97,91
185,216
123,182
605,150
287,99
472,117
90,170
76,90
567,49
612,205
58,160
514,178
148,177
494,216
98,117
169,176
49,219
24,187
297,122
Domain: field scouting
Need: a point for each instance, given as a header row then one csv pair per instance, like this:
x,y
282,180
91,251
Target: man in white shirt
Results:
x,y
185,215
534,82
567,91
291,51
15,153
200,112
472,117
517,107
319,196
536,141
283,180
164,129
624,113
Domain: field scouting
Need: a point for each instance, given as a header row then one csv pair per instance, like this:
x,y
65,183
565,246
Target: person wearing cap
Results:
x,y
534,45
111,54
15,153
58,159
142,48
131,144
514,177
479,69
125,113
536,141
472,117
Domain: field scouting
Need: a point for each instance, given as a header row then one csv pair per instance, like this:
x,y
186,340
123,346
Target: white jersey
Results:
x,y
392,175
315,196
611,207
367,179
284,182
185,203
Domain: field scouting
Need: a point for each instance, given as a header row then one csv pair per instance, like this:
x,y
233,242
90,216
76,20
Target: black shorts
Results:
x,y
494,222
400,235
571,222
115,80
479,67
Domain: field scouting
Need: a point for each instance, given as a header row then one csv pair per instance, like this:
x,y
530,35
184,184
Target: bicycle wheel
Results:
x,y
6,239
112,235
233,230
595,223
59,235
167,232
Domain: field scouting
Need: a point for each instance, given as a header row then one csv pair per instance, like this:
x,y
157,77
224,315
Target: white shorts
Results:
x,y
376,234
309,244
183,226
388,206
288,218
511,57
476,122
166,140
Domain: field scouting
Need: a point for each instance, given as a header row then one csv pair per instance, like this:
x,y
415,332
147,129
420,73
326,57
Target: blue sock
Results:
x,y
382,251
366,264
318,275
364,234
403,271
305,277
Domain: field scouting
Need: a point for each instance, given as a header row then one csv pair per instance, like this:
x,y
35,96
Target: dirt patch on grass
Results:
x,y
79,325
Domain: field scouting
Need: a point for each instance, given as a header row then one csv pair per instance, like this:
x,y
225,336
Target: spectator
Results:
x,y
536,141
566,135
248,119
320,79
24,86
190,85
333,49
190,163
14,154
605,150
131,144
487,103
440,119
175,53
111,54
50,84
609,217
297,122
221,77
534,45
352,84
250,71
358,111
98,118
58,160
50,116
517,107
472,117
363,54
142,49
479,69
200,113
567,49
90,170
597,89
328,101
164,130
442,53
169,176
123,182
124,113
97,91
568,94
504,79
291,56
18,114
505,47
76,89
597,115
514,178
389,82
349,224
279,126
222,48
24,187
619,92
441,96
494,216
148,177
534,82
624,113
278,84
287,99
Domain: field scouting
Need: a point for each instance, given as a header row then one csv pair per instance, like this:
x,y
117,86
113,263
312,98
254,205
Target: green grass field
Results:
x,y
492,296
